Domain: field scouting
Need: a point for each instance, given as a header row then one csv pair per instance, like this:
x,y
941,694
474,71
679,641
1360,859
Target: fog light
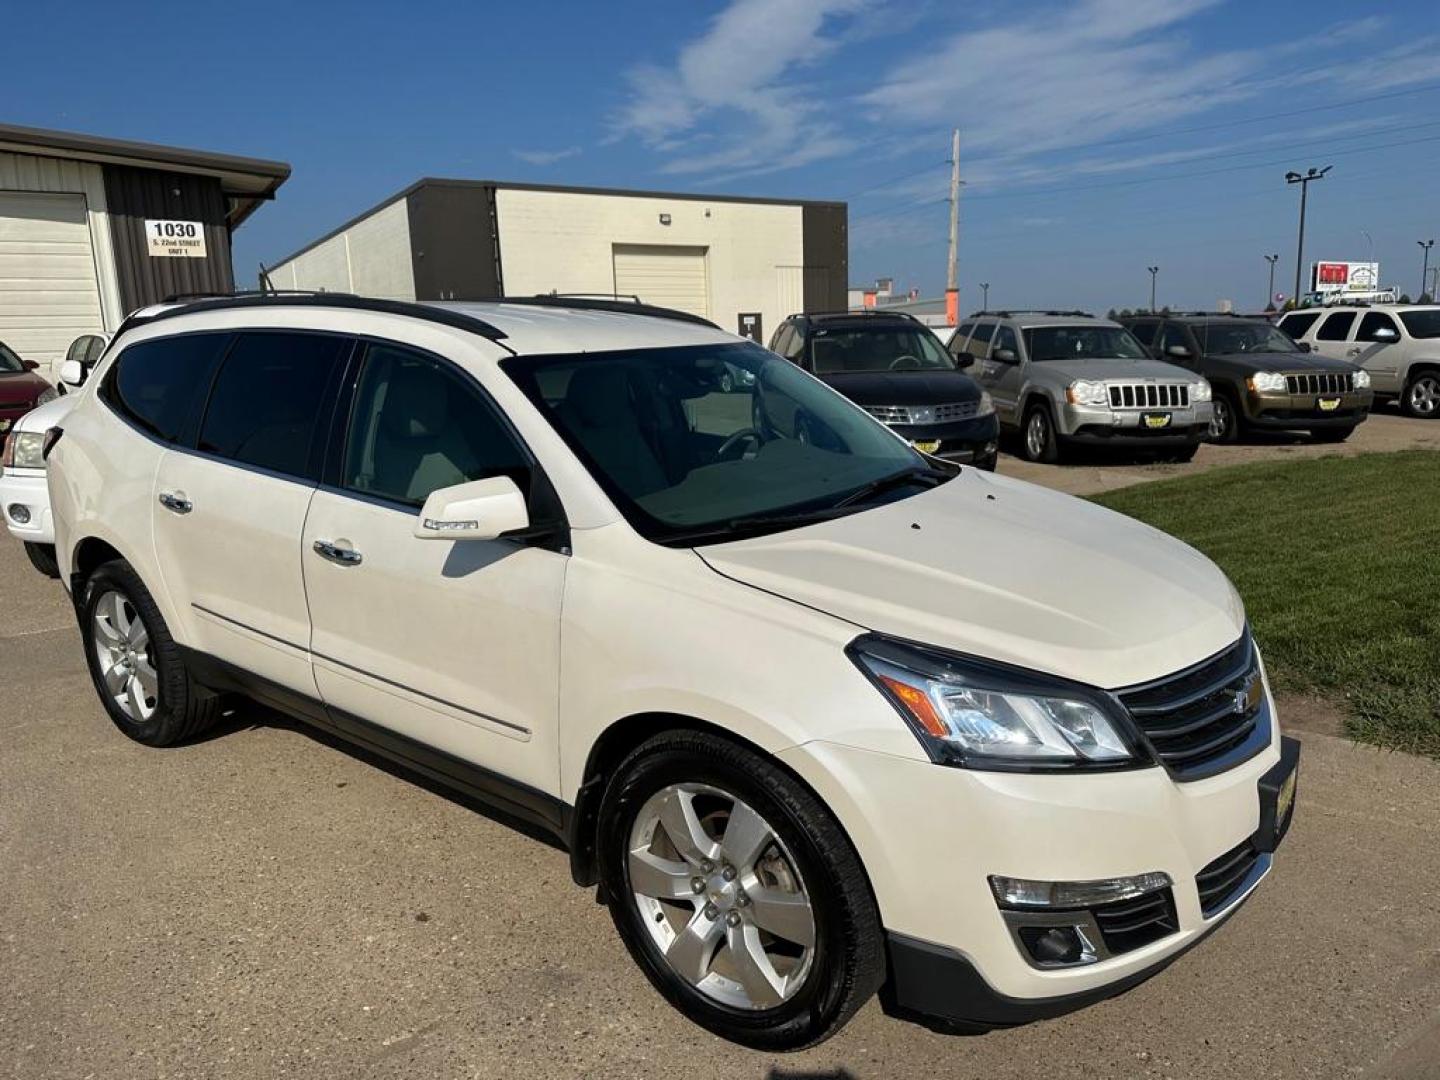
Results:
x,y
1057,945
1022,893
19,513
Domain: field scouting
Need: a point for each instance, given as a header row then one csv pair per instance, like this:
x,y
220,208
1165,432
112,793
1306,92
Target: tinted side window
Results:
x,y
267,407
980,340
1005,339
1375,320
1296,324
1336,326
157,385
795,345
1173,334
1144,331
417,427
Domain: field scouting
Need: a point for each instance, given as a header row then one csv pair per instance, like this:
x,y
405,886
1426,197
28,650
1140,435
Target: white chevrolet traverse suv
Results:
x,y
819,717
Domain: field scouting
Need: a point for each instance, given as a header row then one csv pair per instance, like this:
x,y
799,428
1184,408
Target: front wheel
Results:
x,y
1421,398
42,557
737,893
1224,420
1038,441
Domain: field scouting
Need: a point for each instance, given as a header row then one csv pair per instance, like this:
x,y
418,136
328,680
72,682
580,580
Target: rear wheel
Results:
x,y
1332,435
1422,395
136,665
737,893
1037,437
42,557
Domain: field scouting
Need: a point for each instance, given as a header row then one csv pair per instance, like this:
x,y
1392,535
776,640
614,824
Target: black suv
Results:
x,y
894,367
1262,380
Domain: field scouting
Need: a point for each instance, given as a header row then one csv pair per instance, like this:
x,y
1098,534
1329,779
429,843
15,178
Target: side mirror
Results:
x,y
1180,351
963,360
479,510
30,365
1005,356
1385,333
72,373
1303,346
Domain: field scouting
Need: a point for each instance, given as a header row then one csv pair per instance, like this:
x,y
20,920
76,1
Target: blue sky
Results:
x,y
1099,136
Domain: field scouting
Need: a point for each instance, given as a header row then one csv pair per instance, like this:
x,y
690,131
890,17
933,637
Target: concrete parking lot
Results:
x,y
264,903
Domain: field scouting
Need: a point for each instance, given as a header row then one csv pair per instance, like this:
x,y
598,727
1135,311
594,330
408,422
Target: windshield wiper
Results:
x,y
894,480
740,528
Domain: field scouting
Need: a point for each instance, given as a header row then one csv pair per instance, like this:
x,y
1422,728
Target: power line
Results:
x,y
893,180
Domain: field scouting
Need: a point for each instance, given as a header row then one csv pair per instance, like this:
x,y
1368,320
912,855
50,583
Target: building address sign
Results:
x,y
175,239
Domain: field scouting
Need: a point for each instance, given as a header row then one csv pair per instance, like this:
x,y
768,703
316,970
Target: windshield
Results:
x,y
1222,339
688,455
9,362
1422,324
836,351
1081,343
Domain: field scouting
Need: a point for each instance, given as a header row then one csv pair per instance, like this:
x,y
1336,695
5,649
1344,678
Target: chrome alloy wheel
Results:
x,y
122,645
1035,435
1424,395
721,896
1219,418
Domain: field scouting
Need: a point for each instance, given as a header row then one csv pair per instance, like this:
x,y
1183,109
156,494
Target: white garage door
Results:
x,y
48,292
672,277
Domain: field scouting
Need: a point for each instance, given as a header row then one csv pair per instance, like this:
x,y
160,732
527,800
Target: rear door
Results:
x,y
229,507
451,644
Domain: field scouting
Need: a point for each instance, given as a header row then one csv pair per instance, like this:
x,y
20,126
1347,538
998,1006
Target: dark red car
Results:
x,y
20,388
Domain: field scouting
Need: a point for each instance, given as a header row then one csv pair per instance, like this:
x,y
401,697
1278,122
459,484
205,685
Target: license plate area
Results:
x,y
1277,797
1327,404
1155,421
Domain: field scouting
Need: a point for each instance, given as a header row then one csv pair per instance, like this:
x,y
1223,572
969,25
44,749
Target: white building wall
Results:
x,y
370,258
29,172
564,241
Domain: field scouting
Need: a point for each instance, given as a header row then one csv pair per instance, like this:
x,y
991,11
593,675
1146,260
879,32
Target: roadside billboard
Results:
x,y
1334,276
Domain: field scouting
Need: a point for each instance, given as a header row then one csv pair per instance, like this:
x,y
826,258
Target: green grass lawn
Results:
x,y
1338,560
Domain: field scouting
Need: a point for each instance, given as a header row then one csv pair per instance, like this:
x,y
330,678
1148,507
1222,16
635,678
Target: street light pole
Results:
x,y
1270,296
1153,271
1304,182
1425,271
985,289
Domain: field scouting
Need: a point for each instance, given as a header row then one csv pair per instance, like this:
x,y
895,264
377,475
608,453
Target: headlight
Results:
x,y
1362,380
24,450
984,715
1200,391
1269,381
48,394
987,404
1087,392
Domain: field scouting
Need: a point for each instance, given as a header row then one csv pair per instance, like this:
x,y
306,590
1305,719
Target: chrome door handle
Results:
x,y
344,556
176,503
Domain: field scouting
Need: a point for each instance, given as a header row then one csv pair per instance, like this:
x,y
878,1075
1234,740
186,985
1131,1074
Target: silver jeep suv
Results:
x,y
1065,378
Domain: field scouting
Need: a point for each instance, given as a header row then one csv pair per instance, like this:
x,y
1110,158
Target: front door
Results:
x,y
1331,336
1377,353
453,644
230,507
1004,374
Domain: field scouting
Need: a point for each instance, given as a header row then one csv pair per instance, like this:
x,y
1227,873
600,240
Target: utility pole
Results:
x,y
1425,270
1304,182
985,303
1270,295
1153,271
952,278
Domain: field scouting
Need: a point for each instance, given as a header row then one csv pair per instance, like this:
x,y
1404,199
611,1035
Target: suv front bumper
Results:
x,y
973,441
1282,411
26,487
930,836
1102,426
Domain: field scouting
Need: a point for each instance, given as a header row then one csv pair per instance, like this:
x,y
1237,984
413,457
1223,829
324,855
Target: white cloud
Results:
x,y
546,157
745,77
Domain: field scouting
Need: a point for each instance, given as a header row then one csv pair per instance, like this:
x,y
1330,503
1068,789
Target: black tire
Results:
x,y
183,709
848,965
1044,447
1226,426
1332,435
1421,397
42,557
1185,453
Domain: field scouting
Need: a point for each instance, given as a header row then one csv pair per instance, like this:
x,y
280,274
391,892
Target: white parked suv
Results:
x,y
1398,344
806,745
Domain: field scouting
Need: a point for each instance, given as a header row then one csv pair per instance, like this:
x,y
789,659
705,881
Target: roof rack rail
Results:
x,y
229,301
1009,313
602,302
886,312
187,297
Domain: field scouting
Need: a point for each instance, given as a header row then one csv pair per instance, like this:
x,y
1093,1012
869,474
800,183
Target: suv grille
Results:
x,y
1324,382
1221,879
1195,718
923,414
1149,395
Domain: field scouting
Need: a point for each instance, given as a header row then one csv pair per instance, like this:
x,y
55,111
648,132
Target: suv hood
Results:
x,y
998,568
904,387
1096,367
1289,361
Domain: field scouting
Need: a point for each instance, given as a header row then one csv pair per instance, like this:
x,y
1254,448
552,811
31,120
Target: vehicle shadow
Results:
x,y
247,715
808,1074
